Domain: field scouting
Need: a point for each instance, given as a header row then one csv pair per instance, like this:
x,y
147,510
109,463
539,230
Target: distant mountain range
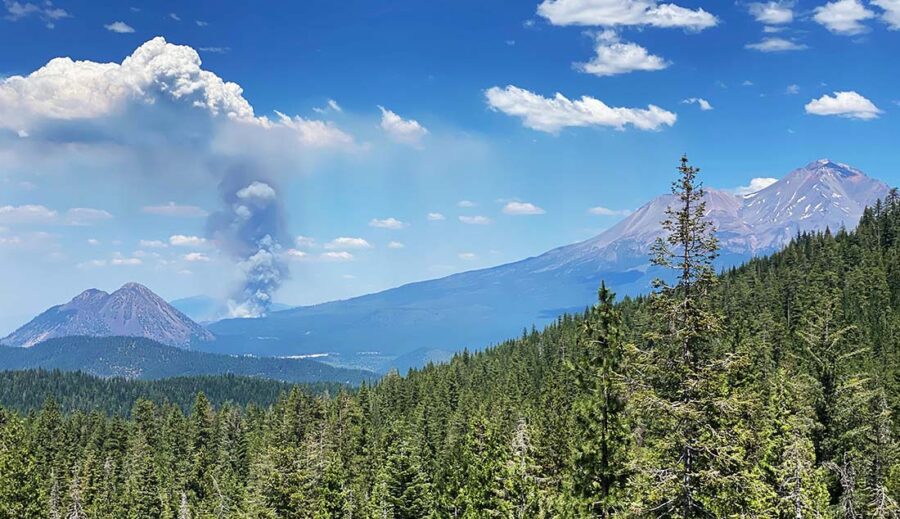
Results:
x,y
140,358
480,307
133,310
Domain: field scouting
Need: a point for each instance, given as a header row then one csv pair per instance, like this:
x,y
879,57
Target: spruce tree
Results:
x,y
601,435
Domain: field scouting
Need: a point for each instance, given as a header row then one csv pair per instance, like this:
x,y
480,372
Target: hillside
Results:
x,y
793,400
139,358
480,307
133,310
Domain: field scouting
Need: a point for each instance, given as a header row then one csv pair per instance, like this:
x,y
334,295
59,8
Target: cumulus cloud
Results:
x,y
613,56
773,13
702,103
756,184
844,104
386,223
68,90
256,190
330,106
604,211
435,217
175,210
345,242
119,27
407,131
522,208
891,14
466,203
181,240
475,220
611,13
317,134
775,45
843,16
553,114
395,245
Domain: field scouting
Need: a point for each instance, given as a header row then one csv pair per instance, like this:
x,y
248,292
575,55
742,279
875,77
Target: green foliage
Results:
x,y
771,390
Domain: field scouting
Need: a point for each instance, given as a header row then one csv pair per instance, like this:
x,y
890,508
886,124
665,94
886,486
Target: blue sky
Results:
x,y
392,111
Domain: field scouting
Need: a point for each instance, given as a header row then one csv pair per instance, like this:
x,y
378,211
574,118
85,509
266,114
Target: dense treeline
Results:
x,y
72,391
772,390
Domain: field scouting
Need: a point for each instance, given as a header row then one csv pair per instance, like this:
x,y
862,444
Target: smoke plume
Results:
x,y
250,228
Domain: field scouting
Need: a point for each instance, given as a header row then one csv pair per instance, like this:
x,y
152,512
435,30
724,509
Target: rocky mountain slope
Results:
x,y
479,307
133,310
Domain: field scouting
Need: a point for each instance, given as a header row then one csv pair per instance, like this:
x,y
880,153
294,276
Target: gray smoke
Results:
x,y
250,228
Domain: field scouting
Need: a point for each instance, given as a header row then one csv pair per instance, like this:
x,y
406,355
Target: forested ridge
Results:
x,y
771,390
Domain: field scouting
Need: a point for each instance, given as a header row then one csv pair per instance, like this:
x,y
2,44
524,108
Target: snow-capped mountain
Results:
x,y
133,310
479,307
823,194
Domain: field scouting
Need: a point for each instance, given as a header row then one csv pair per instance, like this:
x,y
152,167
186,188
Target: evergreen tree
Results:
x,y
601,438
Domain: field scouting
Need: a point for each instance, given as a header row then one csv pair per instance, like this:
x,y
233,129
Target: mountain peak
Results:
x,y
823,166
133,311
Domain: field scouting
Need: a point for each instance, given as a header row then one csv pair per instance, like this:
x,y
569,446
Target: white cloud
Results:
x,y
475,220
395,245
181,240
522,208
792,89
27,214
119,27
39,214
196,257
703,103
175,210
201,23
466,204
407,131
331,105
295,254
66,90
616,57
93,241
119,261
175,17
553,114
844,104
387,223
316,134
775,45
337,256
773,13
604,211
611,13
46,11
86,216
152,244
467,256
843,16
756,184
891,14
345,242
215,49
435,217
257,190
